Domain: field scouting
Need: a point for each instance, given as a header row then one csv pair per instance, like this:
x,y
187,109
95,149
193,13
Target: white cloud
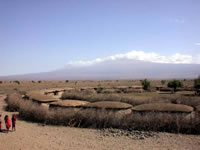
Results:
x,y
197,44
177,20
144,56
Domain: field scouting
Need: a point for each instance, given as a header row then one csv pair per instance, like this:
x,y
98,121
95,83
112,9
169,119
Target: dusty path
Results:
x,y
32,136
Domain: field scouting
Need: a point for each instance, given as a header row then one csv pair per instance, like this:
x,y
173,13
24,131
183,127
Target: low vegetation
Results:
x,y
100,118
174,84
146,84
163,82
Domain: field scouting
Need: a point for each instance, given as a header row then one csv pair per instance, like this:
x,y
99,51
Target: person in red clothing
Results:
x,y
0,122
7,122
13,122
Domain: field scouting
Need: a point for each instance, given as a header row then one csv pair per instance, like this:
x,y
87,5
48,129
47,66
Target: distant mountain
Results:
x,y
114,70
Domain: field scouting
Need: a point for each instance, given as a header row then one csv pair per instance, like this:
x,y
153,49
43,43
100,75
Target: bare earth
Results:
x,y
33,136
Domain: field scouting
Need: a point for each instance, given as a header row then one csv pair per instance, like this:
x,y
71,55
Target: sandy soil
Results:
x,y
33,136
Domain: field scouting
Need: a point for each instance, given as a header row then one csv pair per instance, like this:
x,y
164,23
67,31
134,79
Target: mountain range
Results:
x,y
115,70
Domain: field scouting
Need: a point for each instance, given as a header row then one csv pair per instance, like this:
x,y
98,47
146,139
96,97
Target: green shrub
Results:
x,y
18,82
175,84
163,82
197,83
146,84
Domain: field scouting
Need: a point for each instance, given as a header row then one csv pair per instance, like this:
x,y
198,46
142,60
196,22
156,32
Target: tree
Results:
x,y
163,82
146,84
197,85
18,82
174,84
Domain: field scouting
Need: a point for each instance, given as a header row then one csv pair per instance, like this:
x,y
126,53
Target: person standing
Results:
x,y
7,122
13,122
0,122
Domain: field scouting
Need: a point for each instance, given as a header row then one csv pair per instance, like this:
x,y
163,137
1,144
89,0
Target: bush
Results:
x,y
197,83
163,82
146,84
175,84
18,82
14,100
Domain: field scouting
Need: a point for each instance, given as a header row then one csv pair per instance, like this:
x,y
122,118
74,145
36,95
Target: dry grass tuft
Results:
x,y
14,100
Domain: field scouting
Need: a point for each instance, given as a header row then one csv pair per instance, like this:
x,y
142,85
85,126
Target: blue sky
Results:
x,y
44,35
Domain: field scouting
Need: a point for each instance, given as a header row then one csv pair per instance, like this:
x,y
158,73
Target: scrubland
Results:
x,y
100,115
105,104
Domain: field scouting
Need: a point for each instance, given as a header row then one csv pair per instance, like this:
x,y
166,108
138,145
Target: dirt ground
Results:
x,y
33,136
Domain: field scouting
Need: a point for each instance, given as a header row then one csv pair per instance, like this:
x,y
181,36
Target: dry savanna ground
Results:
x,y
51,111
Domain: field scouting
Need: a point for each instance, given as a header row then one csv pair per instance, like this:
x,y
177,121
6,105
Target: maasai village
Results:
x,y
100,75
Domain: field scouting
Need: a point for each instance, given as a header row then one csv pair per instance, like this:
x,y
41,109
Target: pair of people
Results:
x,y
7,122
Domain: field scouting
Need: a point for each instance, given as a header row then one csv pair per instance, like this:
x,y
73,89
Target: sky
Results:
x,y
44,35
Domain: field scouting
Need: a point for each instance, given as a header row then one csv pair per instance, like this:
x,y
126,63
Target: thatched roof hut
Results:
x,y
68,103
163,107
37,96
108,105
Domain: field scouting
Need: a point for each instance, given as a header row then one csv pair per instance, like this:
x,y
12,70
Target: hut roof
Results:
x,y
53,90
121,87
68,103
39,97
86,88
108,105
136,87
163,107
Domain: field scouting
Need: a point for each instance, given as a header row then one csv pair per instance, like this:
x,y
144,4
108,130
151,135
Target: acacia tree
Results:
x,y
174,84
146,84
163,82
197,85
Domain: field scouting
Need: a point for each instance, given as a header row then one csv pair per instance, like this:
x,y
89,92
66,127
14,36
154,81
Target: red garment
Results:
x,y
14,119
8,123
